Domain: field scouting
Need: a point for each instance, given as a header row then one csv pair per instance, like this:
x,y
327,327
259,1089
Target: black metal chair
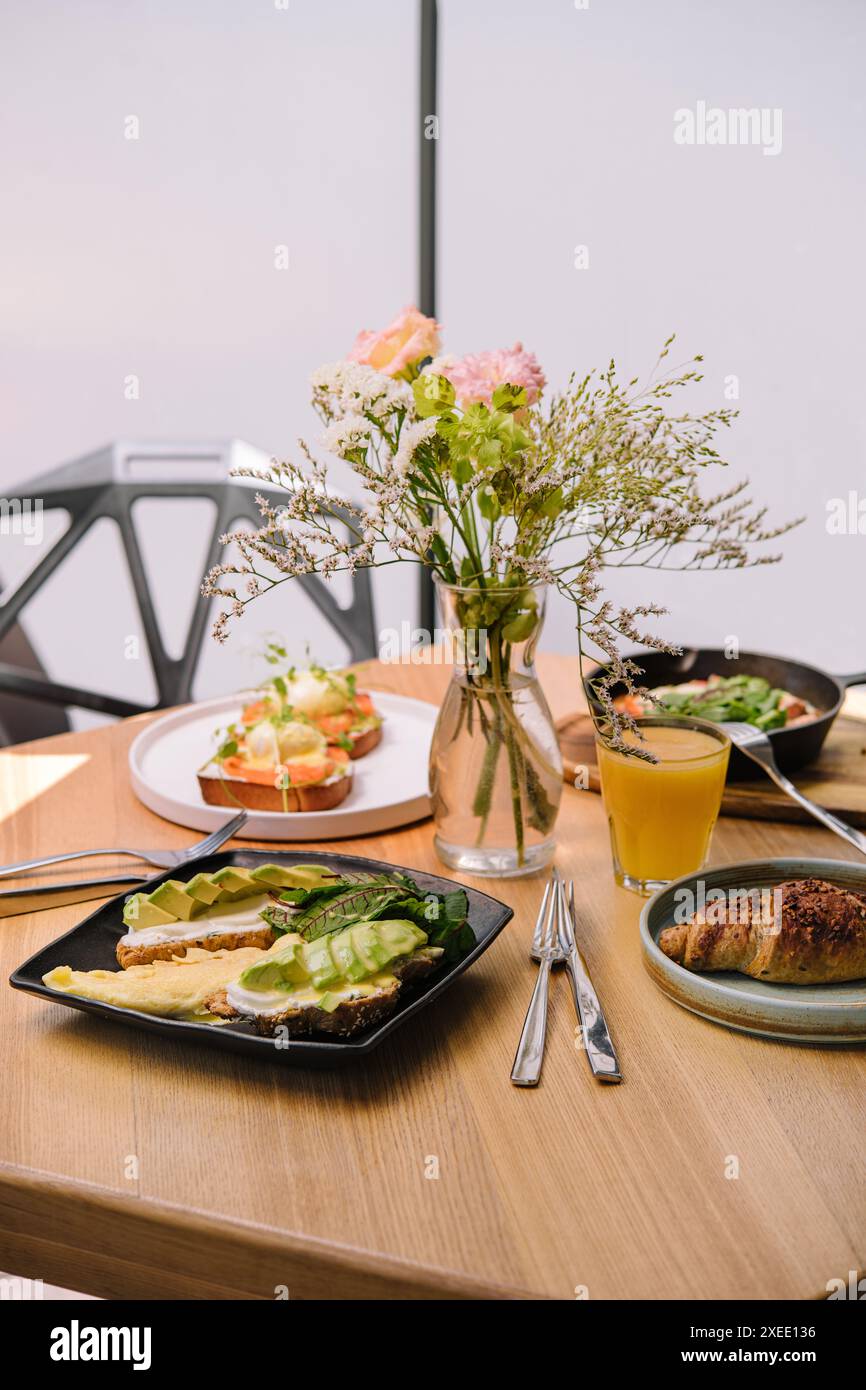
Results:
x,y
108,484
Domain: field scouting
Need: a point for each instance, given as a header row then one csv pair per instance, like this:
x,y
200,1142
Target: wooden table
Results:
x,y
129,1167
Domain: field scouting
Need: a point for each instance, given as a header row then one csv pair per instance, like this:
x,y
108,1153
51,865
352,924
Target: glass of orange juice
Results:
x,y
661,814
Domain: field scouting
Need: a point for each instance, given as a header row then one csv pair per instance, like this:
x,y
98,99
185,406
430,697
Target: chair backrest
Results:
x,y
108,484
22,719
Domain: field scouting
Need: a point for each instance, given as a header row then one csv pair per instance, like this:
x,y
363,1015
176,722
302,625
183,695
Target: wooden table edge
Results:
x,y
100,1242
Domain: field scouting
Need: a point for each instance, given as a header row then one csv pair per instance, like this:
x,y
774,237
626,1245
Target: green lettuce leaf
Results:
x,y
313,912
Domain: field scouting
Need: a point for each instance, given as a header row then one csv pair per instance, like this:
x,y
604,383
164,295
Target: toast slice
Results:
x,y
364,742
133,953
350,1017
234,791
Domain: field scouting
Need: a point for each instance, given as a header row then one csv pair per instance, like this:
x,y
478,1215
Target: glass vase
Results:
x,y
495,764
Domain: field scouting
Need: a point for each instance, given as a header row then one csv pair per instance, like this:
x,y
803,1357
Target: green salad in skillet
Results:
x,y
746,699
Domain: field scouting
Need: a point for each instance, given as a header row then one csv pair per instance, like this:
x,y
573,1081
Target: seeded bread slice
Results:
x,y
129,953
349,1018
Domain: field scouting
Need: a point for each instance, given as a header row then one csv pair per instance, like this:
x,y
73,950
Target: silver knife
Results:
x,y
14,901
596,1037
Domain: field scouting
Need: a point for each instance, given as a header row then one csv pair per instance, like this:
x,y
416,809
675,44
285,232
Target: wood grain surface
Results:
x,y
133,1167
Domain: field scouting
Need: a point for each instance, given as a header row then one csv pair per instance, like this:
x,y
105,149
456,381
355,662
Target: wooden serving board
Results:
x,y
836,781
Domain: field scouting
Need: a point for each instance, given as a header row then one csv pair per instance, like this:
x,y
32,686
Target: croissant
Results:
x,y
813,934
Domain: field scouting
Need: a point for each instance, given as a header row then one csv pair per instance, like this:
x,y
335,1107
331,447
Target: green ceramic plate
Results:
x,y
800,1013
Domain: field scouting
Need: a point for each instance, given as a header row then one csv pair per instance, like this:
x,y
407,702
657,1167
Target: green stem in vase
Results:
x,y
543,812
502,697
516,799
465,712
484,791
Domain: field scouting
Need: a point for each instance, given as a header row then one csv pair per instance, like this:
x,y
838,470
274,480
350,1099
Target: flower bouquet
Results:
x,y
463,469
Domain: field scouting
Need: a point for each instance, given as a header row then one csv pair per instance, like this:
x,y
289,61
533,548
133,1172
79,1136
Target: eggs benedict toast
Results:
x,y
329,700
277,763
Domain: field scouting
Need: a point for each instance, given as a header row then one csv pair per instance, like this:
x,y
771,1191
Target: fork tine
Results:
x,y
229,828
566,915
217,836
558,886
211,839
551,926
541,921
552,923
562,929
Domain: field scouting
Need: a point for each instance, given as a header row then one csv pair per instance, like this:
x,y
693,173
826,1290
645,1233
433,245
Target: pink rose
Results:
x,y
476,377
393,350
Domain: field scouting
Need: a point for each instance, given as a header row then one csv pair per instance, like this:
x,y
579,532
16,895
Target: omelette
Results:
x,y
168,988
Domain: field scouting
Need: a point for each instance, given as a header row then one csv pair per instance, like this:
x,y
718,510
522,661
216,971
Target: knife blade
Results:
x,y
15,901
596,1037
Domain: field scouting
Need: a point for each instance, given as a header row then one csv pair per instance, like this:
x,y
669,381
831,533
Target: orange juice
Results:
x,y
661,815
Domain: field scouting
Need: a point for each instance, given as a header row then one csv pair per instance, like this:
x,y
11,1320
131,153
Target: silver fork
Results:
x,y
755,744
162,858
545,949
593,1025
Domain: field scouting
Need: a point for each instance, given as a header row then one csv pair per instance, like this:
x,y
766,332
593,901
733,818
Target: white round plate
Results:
x,y
390,783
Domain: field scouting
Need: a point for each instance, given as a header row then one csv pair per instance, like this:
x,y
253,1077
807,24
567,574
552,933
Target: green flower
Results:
x,y
480,438
433,394
508,397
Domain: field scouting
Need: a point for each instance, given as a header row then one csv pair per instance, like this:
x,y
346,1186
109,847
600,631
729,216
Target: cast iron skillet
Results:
x,y
793,747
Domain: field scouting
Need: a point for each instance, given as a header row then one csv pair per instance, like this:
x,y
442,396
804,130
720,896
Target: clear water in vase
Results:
x,y
495,767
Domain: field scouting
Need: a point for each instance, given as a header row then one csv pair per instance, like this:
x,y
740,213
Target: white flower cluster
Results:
x,y
348,388
346,433
410,438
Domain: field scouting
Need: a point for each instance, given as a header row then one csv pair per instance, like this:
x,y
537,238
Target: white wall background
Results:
x,y
557,132
261,126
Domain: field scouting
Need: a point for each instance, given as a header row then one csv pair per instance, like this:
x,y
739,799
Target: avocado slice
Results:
x,y
362,950
399,937
349,955
203,889
139,912
265,974
172,897
287,968
234,883
380,953
292,963
320,963
346,958
368,947
292,876
328,1002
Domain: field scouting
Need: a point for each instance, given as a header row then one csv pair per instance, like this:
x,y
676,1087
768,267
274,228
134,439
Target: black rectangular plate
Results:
x,y
91,946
